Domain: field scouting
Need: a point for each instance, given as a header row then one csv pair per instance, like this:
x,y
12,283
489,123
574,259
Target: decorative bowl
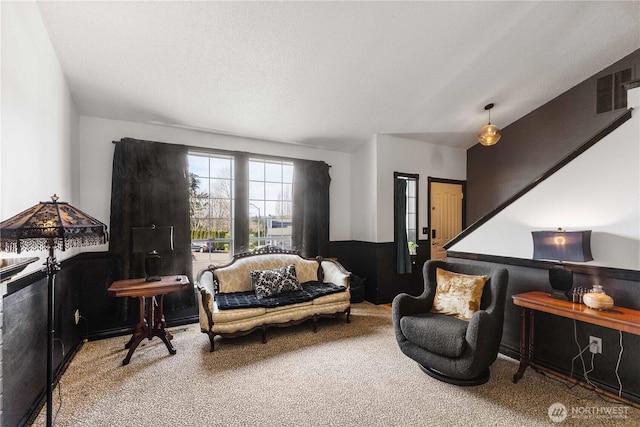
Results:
x,y
597,301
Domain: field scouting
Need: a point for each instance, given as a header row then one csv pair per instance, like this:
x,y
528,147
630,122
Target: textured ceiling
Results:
x,y
332,74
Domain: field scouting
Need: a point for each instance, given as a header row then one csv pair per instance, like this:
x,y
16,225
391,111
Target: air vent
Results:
x,y
610,95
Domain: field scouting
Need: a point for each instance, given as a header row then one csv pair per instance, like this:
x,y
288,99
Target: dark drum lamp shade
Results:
x,y
50,225
560,245
150,240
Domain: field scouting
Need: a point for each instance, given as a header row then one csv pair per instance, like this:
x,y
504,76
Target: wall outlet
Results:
x,y
595,345
77,316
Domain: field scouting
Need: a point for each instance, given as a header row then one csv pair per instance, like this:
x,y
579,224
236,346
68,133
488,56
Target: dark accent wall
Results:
x,y
81,283
533,144
376,263
555,345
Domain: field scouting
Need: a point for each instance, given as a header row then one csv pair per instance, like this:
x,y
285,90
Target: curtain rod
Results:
x,y
205,150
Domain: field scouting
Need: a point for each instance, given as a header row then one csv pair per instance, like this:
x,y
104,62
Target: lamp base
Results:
x,y
561,295
561,281
152,267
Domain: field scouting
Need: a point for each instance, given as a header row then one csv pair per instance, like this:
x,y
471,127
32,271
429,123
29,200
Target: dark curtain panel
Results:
x,y
150,186
403,260
310,234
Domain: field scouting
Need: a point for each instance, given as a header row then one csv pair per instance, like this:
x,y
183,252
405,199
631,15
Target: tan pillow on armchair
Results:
x,y
457,294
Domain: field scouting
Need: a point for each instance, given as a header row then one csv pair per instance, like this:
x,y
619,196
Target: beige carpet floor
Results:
x,y
344,375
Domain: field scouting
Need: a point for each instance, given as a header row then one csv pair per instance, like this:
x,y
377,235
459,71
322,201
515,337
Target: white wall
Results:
x,y
39,126
404,155
96,161
599,191
39,120
364,192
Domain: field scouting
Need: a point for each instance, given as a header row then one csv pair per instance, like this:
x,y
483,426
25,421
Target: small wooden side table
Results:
x,y
153,325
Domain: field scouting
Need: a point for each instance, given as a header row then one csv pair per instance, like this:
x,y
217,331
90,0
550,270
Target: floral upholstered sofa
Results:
x,y
269,287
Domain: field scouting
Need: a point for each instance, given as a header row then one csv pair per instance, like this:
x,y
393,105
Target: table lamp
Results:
x,y
50,225
150,240
561,245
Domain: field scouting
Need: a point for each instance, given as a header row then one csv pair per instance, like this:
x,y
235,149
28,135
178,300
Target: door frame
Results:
x,y
431,179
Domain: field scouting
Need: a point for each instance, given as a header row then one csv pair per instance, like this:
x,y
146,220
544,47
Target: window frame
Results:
x,y
261,204
410,177
241,241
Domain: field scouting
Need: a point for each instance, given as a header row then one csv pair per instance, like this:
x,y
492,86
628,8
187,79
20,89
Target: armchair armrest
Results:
x,y
407,305
482,329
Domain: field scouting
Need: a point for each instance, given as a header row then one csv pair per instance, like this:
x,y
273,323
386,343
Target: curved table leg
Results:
x,y
526,344
141,332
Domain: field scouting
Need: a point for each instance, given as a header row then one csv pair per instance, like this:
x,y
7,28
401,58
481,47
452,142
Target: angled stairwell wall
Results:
x,y
599,190
535,142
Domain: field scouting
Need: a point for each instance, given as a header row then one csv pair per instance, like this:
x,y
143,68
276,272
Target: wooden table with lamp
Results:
x,y
618,318
151,292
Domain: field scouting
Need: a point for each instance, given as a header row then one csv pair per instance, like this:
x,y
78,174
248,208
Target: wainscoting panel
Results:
x,y
376,262
24,360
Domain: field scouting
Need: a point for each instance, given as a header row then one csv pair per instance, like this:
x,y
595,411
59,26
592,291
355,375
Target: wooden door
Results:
x,y
446,215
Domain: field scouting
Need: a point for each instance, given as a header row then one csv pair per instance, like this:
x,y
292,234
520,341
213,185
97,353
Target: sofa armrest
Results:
x,y
334,272
205,287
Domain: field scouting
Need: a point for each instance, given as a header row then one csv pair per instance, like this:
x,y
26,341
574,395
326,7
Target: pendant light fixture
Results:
x,y
489,134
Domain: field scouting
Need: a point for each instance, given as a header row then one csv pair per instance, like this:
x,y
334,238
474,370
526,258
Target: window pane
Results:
x,y
411,187
286,209
220,168
211,206
256,190
273,172
274,208
199,165
287,173
273,191
411,208
256,208
219,188
411,221
286,192
271,195
256,170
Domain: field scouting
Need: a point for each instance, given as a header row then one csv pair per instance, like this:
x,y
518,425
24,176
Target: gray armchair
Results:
x,y
447,348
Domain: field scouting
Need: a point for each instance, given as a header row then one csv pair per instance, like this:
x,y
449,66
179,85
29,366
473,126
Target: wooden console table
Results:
x,y
618,318
153,325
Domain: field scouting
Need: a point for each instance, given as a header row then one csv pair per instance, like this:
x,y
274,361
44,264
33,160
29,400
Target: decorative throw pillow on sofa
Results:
x,y
268,283
457,294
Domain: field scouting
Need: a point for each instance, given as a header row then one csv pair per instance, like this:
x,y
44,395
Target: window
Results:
x,y
405,219
610,95
237,203
412,212
270,200
211,206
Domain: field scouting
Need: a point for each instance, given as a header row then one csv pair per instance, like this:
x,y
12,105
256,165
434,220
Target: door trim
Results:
x,y
431,179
